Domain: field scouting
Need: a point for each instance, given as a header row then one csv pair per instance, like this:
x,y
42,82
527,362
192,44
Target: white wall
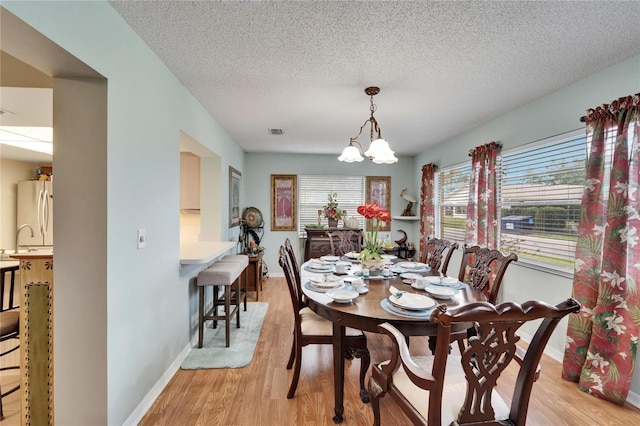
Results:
x,y
551,115
256,181
146,302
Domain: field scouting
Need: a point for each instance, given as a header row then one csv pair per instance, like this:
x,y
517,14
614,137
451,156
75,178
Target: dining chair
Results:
x,y
435,256
9,323
431,389
311,328
483,269
343,242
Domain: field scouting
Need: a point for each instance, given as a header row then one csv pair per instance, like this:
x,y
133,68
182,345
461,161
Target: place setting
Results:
x,y
319,266
401,267
323,283
412,305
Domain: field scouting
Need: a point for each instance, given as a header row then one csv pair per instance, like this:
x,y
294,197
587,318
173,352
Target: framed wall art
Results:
x,y
284,202
378,190
235,196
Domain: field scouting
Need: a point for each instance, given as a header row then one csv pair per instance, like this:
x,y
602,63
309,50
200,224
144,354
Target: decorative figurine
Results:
x,y
410,201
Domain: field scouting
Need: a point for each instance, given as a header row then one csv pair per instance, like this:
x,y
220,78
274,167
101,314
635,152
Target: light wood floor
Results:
x,y
256,394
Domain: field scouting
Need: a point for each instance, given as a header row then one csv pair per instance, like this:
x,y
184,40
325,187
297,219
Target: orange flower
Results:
x,y
374,212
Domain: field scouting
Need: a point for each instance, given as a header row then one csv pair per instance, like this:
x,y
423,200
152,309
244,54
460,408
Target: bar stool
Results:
x,y
243,261
222,274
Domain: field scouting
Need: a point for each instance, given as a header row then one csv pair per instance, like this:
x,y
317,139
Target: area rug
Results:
x,y
214,353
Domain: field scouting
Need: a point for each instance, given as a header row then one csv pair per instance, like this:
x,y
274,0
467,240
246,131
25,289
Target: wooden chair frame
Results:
x,y
342,242
435,256
482,361
9,314
477,271
356,344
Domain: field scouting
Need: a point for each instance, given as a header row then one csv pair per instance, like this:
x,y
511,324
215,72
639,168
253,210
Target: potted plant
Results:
x,y
331,210
371,253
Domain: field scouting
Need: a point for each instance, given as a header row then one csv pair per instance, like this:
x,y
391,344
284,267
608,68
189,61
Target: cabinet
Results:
x,y
318,243
189,181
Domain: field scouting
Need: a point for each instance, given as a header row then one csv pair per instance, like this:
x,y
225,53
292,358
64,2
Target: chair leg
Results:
x,y
246,279
227,313
216,298
239,295
200,315
296,372
375,401
365,361
292,357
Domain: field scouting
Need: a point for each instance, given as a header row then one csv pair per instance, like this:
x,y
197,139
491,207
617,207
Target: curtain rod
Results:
x,y
584,117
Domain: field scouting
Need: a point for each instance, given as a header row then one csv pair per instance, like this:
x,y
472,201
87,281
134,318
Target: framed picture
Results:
x,y
379,191
235,194
284,202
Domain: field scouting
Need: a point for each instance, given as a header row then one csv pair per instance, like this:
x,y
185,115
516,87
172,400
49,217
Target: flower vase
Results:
x,y
333,223
375,267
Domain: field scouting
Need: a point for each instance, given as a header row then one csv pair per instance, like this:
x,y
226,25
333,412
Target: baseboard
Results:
x,y
632,398
136,416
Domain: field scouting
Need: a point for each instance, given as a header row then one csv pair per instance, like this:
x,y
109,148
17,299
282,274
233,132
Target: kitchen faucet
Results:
x,y
20,228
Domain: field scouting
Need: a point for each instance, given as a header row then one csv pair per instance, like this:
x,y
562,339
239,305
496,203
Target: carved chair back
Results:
x,y
481,364
483,269
343,242
438,253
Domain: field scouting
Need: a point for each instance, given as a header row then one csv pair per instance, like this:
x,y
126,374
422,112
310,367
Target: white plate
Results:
x,y
433,280
330,258
412,265
441,292
414,312
410,276
449,281
320,268
326,285
342,295
351,255
389,257
412,301
419,285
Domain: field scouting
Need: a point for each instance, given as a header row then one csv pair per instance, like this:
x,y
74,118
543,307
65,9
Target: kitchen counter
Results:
x,y
201,252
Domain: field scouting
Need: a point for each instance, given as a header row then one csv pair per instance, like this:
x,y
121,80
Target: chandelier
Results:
x,y
379,151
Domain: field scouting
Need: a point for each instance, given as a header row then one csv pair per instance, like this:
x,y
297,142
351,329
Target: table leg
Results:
x,y
338,371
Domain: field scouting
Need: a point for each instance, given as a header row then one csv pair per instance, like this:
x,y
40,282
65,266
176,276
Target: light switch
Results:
x,y
142,238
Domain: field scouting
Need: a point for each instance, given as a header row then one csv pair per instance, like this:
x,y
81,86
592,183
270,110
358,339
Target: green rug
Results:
x,y
242,344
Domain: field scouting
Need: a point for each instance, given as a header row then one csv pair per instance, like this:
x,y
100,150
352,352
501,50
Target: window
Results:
x,y
540,202
312,196
451,206
540,194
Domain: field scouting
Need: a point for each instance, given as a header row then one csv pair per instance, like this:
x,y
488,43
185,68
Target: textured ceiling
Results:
x,y
443,67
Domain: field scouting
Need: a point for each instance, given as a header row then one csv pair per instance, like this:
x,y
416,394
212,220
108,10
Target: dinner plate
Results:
x,y
351,255
441,292
412,265
389,257
412,301
325,285
330,258
448,281
433,280
399,310
420,285
342,295
410,276
325,278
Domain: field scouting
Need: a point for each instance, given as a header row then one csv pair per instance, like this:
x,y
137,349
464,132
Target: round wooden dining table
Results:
x,y
366,312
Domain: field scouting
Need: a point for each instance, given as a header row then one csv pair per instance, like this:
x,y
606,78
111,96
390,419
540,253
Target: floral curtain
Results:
x,y
427,205
482,208
603,339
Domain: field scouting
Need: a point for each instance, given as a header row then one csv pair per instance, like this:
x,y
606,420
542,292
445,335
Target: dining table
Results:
x,y
372,306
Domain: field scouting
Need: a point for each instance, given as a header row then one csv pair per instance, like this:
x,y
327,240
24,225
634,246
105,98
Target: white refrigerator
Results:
x,y
35,208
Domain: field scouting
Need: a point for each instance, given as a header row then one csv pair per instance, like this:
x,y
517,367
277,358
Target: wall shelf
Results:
x,y
407,218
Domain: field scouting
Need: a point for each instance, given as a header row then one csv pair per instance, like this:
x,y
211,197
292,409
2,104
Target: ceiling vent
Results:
x,y
276,132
